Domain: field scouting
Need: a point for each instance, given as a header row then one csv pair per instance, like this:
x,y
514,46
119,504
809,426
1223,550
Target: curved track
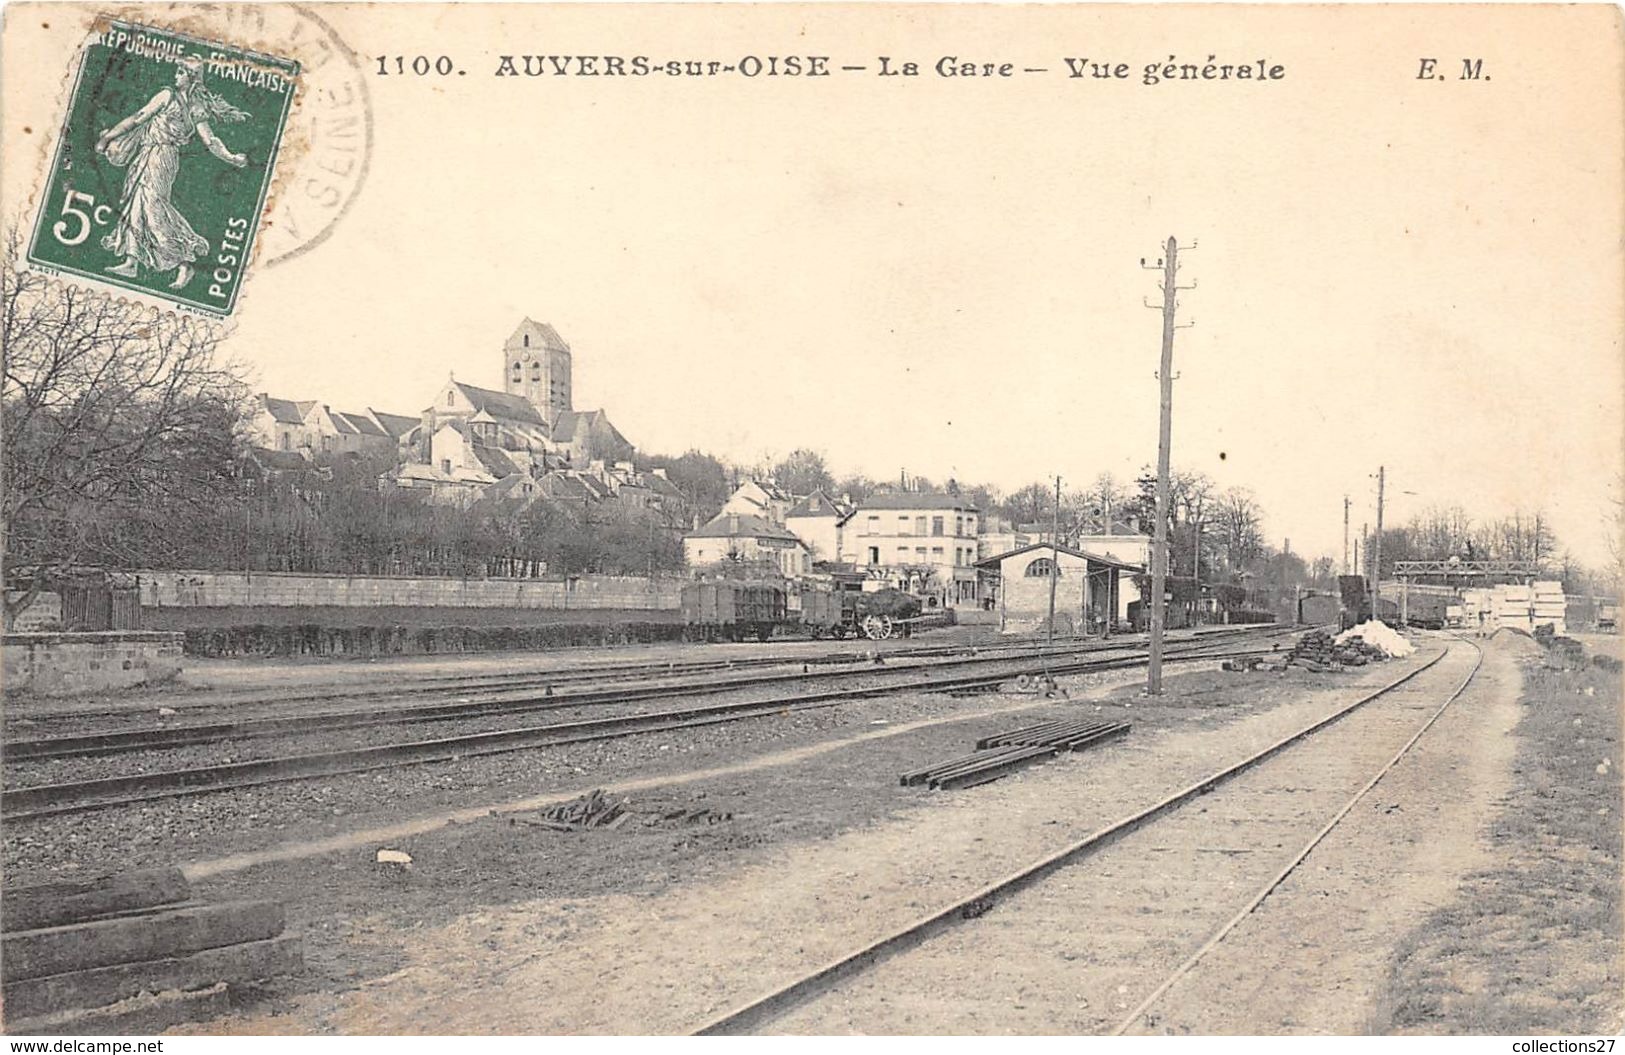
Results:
x,y
754,1014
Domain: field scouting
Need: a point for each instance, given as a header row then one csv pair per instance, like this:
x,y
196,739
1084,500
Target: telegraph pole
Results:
x,y
1055,559
1169,265
1348,569
1376,563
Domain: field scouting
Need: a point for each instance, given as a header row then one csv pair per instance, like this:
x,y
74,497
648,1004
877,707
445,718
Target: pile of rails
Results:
x,y
1003,753
131,953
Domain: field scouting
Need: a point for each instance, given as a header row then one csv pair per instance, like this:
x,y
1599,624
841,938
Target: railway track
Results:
x,y
462,685
803,994
121,741
17,804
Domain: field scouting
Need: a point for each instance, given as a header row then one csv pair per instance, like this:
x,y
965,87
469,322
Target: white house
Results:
x,y
820,521
742,537
903,531
759,498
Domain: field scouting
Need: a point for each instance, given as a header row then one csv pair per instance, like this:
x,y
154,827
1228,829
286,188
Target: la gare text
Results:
x,y
961,67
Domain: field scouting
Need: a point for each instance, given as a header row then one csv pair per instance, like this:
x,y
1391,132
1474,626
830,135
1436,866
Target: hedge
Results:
x,y
311,639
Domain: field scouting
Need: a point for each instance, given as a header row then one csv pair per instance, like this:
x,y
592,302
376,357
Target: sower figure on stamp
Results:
x,y
150,231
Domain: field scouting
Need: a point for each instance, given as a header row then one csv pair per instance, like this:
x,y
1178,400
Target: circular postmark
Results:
x,y
327,147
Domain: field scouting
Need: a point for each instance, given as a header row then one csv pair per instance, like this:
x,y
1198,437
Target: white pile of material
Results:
x,y
1381,636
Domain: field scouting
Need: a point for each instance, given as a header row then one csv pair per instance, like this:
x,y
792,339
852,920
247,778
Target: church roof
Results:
x,y
541,336
501,405
496,462
360,423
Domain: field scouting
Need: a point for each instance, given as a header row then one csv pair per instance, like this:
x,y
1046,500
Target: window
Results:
x,y
445,466
936,525
874,554
919,551
527,340
451,399
284,441
959,525
873,528
936,551
919,525
1042,568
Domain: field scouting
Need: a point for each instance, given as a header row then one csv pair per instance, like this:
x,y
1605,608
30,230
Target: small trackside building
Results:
x,y
1088,588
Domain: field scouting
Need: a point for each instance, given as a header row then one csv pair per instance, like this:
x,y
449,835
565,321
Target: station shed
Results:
x,y
1088,588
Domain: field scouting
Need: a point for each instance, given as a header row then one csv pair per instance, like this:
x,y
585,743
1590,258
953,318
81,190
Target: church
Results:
x,y
469,437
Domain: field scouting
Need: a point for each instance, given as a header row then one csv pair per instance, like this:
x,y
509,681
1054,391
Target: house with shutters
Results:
x,y
923,542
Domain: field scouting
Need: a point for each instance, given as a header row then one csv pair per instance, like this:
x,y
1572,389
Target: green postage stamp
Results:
x,y
163,166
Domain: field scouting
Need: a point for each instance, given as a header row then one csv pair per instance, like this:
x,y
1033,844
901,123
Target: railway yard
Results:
x,y
847,837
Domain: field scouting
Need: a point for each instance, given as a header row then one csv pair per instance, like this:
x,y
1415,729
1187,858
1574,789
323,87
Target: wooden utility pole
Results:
x,y
1348,569
1055,558
1169,265
1376,563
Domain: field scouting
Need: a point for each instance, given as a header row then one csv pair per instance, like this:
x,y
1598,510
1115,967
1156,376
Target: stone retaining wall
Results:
x,y
199,589
63,664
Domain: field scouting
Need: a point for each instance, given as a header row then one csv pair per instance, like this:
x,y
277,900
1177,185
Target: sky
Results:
x,y
943,275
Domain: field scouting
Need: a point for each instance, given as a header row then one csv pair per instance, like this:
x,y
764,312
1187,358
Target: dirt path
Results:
x,y
1314,957
1076,952
657,964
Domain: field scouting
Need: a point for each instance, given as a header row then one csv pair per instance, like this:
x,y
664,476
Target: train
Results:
x,y
740,610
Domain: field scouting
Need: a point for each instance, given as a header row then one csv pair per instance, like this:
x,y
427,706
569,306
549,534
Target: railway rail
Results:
x,y
463,685
756,1013
17,804
109,742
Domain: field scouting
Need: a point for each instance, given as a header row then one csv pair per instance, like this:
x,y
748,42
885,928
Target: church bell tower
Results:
x,y
536,365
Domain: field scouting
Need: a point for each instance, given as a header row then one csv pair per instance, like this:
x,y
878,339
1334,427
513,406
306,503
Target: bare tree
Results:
x,y
802,472
109,411
1237,522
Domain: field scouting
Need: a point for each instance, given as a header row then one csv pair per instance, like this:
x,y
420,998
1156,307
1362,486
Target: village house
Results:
x,y
820,521
742,537
922,542
310,428
760,498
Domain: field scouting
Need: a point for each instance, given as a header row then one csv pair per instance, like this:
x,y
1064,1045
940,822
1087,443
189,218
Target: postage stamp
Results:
x,y
163,165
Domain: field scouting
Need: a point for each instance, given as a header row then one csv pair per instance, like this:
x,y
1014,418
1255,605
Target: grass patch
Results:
x,y
1533,945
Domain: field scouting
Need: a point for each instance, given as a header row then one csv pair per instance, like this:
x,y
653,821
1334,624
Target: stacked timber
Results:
x,y
131,953
1551,607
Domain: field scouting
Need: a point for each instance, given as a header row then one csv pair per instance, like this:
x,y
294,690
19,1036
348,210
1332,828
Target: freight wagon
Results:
x,y
733,611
